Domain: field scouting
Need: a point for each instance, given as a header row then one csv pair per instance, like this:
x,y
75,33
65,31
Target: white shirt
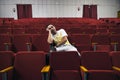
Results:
x,y
59,35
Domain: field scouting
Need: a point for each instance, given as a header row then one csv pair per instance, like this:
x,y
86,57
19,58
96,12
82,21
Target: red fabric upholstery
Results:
x,y
81,41
18,31
33,30
105,48
65,66
96,60
99,65
101,41
20,42
28,65
5,38
115,38
116,60
5,30
6,60
39,43
101,75
66,75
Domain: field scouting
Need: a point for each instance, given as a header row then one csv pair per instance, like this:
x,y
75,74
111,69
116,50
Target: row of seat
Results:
x,y
61,22
24,43
111,20
84,42
92,65
64,25
99,42
68,30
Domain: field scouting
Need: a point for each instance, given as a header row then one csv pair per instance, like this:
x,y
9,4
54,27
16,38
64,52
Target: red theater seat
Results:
x,y
27,65
5,42
33,30
39,43
6,61
97,66
115,42
5,30
21,42
101,42
116,61
18,31
81,41
64,66
114,31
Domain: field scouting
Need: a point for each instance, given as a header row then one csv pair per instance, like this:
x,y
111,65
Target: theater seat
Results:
x,y
64,66
39,43
116,61
97,66
6,60
21,42
115,42
101,42
5,42
27,65
81,41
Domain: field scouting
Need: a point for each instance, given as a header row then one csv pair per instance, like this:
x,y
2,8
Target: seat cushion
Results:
x,y
102,75
66,75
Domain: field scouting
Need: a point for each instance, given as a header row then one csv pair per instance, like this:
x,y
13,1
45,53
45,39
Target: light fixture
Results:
x,y
13,9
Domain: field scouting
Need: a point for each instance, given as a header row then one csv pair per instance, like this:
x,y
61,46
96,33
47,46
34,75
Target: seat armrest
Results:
x,y
94,43
28,46
7,45
4,72
115,45
83,69
45,69
28,43
116,68
84,72
45,72
94,46
6,69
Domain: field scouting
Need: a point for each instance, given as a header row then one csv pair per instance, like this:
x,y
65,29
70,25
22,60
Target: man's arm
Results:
x,y
50,39
64,39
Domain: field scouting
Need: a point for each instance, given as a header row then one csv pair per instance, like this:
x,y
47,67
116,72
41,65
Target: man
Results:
x,y
59,38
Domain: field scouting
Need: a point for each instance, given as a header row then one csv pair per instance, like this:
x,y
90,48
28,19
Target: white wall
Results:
x,y
60,8
108,10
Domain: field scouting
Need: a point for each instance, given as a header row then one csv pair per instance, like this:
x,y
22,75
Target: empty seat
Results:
x,y
116,61
33,30
27,65
102,31
101,42
39,43
6,60
18,31
81,41
64,66
5,42
76,30
5,30
89,31
21,42
114,31
97,66
115,42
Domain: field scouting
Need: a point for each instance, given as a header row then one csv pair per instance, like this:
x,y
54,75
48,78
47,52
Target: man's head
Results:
x,y
51,28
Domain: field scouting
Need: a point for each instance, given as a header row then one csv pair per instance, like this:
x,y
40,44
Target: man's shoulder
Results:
x,y
61,30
